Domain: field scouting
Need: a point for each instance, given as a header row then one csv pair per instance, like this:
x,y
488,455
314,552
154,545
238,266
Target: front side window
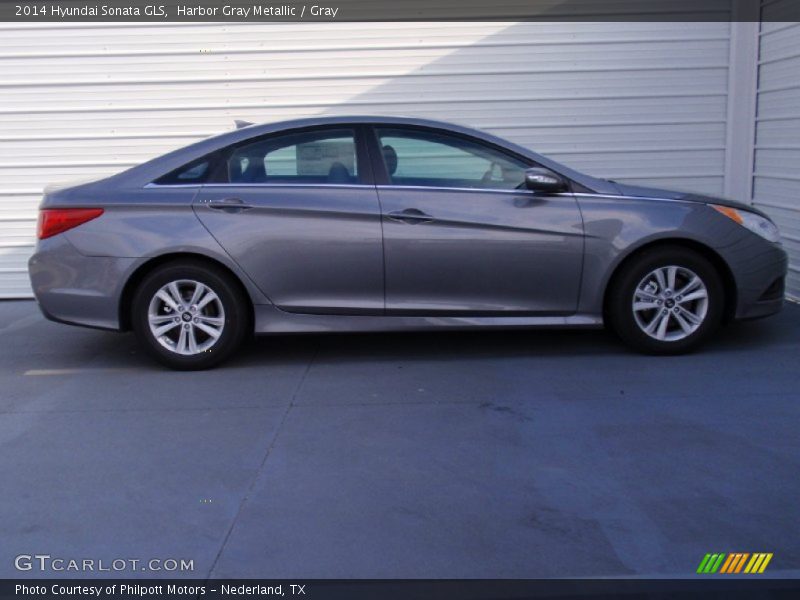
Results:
x,y
433,159
322,156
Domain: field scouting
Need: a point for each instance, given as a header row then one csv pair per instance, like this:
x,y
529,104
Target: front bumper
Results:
x,y
769,303
759,269
76,289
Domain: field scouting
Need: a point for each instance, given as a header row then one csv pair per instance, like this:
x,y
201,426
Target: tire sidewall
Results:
x,y
235,315
621,311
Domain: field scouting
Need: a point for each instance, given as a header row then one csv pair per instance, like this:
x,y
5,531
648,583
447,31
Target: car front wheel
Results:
x,y
666,301
189,315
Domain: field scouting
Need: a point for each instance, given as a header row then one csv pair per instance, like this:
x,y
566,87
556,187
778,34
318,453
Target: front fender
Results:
x,y
616,227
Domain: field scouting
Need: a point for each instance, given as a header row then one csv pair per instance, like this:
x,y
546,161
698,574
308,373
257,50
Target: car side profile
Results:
x,y
377,224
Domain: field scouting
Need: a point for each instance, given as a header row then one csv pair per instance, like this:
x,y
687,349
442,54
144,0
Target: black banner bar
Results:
x,y
163,11
729,588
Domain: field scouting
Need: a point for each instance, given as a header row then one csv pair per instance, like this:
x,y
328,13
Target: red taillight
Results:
x,y
53,221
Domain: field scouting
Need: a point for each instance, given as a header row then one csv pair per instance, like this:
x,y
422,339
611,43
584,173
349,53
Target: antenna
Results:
x,y
239,123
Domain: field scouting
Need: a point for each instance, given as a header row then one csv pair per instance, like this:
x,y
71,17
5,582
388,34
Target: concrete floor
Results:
x,y
525,454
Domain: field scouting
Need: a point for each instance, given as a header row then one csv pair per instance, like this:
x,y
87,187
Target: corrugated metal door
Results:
x,y
776,184
631,101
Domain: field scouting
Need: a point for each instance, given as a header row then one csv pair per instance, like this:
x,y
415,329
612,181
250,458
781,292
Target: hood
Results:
x,y
647,192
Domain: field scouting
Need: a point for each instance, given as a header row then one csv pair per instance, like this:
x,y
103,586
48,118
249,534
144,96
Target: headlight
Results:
x,y
755,223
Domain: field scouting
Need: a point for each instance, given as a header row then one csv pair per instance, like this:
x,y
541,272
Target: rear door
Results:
x,y
298,211
461,236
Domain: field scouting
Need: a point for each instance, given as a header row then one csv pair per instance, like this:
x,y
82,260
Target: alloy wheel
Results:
x,y
670,303
186,317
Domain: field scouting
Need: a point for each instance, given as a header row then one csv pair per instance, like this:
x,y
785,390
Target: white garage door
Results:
x,y
776,185
630,101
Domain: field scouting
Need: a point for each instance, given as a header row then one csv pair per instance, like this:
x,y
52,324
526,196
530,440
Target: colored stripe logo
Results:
x,y
734,562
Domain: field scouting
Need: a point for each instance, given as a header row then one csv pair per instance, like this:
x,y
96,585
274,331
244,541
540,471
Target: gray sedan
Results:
x,y
375,224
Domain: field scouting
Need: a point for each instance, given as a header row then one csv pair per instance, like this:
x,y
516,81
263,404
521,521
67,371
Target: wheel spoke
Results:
x,y
651,326
671,273
181,344
192,342
209,297
214,333
644,295
218,321
662,281
695,281
159,331
648,305
199,288
167,299
690,316
158,319
175,293
699,294
662,326
685,325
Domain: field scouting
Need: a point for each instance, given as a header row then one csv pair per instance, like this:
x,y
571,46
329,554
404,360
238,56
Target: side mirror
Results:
x,y
538,179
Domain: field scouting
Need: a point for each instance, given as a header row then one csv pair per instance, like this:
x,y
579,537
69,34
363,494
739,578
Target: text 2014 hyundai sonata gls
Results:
x,y
367,224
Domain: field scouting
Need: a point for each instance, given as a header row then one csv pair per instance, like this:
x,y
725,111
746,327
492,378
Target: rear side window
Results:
x,y
195,172
321,156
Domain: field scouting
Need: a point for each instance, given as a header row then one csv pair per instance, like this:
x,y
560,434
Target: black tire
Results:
x,y
620,311
236,320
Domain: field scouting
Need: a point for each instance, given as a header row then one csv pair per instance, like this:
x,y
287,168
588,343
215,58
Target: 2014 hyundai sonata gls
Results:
x,y
368,224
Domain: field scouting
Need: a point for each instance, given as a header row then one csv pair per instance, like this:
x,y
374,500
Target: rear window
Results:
x,y
196,172
317,156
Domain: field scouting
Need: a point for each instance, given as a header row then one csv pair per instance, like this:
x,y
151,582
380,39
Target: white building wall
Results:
x,y
776,184
639,102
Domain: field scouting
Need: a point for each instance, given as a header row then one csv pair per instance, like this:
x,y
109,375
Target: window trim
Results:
x,y
515,191
371,166
217,174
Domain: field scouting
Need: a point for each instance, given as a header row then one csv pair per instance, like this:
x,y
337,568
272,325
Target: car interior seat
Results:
x,y
254,172
390,158
338,173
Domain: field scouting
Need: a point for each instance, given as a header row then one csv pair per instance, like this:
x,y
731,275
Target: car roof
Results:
x,y
356,119
151,170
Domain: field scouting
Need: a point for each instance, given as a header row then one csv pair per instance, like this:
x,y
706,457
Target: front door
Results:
x,y
460,237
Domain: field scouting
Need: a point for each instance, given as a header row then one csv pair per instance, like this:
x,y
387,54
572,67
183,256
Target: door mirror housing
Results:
x,y
538,179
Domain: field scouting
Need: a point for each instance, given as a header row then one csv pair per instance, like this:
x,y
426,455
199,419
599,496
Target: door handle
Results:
x,y
232,204
410,216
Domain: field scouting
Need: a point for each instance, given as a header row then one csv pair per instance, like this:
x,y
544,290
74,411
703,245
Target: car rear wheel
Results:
x,y
666,301
189,315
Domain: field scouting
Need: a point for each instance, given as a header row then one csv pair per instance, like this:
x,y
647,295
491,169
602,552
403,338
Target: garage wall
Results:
x,y
776,182
636,102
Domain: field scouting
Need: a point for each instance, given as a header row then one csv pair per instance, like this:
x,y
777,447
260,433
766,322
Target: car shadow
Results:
x,y
440,346
61,347
745,336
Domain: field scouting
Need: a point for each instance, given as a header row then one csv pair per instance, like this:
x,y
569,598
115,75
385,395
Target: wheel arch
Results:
x,y
726,275
138,275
